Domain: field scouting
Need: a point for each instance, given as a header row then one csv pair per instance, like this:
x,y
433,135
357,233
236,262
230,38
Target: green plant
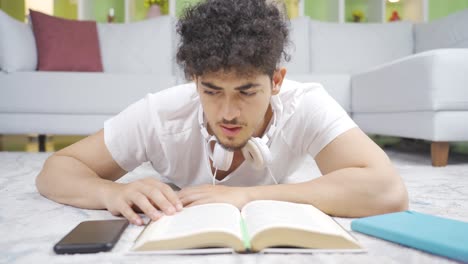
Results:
x,y
358,16
149,3
163,4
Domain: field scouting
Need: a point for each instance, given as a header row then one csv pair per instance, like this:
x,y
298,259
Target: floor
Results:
x,y
29,143
439,191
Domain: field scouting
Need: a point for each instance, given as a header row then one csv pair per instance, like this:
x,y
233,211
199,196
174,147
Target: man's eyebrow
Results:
x,y
212,86
240,88
246,86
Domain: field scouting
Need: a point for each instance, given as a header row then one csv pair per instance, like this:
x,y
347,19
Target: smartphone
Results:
x,y
91,237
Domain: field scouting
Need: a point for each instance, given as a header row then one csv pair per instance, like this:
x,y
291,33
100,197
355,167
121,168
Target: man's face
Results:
x,y
235,107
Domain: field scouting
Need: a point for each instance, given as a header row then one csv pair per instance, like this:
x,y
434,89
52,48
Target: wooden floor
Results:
x,y
29,143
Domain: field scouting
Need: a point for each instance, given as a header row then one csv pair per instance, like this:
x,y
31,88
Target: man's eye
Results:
x,y
248,93
210,92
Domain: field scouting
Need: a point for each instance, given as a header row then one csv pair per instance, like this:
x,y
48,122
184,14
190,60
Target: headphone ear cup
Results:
x,y
257,153
222,158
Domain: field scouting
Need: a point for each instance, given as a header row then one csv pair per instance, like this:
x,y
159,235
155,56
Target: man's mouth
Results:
x,y
230,131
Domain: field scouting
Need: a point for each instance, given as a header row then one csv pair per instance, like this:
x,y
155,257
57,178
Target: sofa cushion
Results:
x,y
65,45
299,48
139,47
17,46
354,47
76,93
51,123
337,85
434,80
427,125
448,32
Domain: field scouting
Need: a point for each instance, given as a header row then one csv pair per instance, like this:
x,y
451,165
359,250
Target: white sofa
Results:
x,y
424,96
397,79
138,58
330,53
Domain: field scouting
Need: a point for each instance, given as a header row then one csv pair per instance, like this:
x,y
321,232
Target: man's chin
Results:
x,y
231,146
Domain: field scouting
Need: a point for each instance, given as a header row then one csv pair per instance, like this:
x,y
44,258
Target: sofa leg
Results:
x,y
42,143
439,153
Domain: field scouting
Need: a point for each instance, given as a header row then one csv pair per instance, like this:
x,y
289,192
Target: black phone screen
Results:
x,y
92,237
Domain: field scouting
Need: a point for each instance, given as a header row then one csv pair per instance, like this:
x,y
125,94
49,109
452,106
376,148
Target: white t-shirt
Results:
x,y
163,129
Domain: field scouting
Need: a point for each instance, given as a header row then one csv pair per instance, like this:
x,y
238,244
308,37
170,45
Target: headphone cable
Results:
x,y
271,175
214,176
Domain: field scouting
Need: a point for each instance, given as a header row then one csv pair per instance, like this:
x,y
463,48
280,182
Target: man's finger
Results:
x,y
160,200
199,202
190,198
148,209
190,191
128,213
171,196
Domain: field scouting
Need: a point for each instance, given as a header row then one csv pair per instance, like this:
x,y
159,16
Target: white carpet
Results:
x,y
442,190
31,224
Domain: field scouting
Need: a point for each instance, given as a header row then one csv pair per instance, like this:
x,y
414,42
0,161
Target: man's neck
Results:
x,y
238,157
266,121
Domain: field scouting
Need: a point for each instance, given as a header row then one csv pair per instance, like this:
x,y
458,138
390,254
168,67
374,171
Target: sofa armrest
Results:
x,y
429,81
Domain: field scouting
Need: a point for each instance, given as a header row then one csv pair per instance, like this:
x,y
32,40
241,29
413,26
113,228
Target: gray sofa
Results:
x,y
397,79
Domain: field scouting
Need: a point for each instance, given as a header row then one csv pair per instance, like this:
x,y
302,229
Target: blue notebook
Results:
x,y
437,235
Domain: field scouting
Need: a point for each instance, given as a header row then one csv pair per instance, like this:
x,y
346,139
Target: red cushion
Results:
x,y
66,45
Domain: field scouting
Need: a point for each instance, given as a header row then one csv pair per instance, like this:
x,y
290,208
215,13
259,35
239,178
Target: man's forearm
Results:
x,y
67,180
349,192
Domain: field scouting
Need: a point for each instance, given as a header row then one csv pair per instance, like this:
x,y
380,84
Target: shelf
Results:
x,y
372,10
379,11
97,10
375,11
408,10
324,10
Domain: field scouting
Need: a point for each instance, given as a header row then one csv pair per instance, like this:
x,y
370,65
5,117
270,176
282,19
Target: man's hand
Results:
x,y
147,194
203,194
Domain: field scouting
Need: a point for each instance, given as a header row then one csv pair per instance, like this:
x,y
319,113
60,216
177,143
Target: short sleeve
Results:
x,y
324,119
127,134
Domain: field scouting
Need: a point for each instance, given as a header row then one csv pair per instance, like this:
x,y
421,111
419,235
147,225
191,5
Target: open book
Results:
x,y
259,225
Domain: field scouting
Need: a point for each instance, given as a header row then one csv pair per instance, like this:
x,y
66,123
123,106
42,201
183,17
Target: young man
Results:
x,y
229,136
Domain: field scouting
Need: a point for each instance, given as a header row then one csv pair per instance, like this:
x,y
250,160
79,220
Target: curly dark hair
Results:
x,y
245,36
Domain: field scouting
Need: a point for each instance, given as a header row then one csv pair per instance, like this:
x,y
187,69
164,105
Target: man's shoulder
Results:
x,y
174,97
291,88
310,115
304,102
175,108
295,96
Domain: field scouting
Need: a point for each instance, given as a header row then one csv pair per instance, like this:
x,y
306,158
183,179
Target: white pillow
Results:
x,y
448,32
139,47
17,45
354,47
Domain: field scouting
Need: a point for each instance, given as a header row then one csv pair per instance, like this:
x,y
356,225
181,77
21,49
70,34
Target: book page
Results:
x,y
264,214
216,217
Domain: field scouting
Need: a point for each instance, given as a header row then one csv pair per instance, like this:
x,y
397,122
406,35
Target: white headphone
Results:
x,y
256,151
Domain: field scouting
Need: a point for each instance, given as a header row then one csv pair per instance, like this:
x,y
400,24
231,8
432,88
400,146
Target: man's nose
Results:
x,y
230,110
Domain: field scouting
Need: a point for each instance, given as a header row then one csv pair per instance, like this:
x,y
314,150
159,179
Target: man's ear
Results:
x,y
278,77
